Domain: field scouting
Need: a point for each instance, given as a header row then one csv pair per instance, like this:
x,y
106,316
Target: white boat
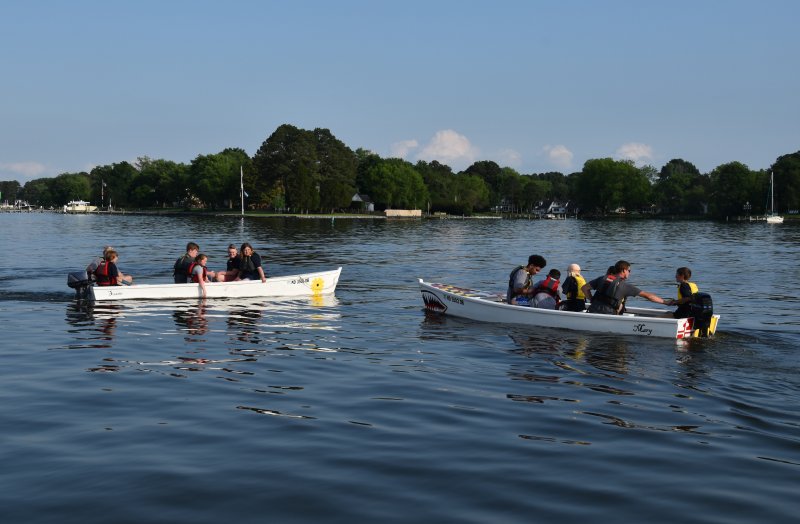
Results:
x,y
302,285
492,307
772,218
79,206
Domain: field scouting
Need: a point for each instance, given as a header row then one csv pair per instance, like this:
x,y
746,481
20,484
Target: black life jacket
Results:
x,y
511,278
101,274
246,265
180,269
193,276
607,291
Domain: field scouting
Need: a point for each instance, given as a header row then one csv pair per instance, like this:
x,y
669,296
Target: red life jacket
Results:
x,y
194,277
550,286
101,274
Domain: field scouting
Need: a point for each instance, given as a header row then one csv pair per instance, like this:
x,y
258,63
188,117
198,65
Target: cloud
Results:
x,y
403,148
510,158
559,156
635,151
24,170
451,148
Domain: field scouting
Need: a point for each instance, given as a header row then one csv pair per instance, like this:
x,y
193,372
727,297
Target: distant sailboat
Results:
x,y
772,218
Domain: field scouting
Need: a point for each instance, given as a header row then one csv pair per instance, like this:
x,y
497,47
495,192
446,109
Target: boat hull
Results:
x,y
301,285
491,307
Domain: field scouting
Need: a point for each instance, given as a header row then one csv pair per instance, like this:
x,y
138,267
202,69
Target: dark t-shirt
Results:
x,y
249,267
624,289
233,263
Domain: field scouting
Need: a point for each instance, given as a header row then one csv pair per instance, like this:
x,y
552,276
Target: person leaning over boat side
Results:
x,y
199,273
519,281
571,287
95,263
108,274
250,264
545,292
231,272
180,271
686,290
612,289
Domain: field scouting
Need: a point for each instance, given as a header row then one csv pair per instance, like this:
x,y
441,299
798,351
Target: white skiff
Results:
x,y
303,285
492,307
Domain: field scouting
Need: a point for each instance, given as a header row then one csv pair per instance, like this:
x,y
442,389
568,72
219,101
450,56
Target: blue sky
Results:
x,y
534,85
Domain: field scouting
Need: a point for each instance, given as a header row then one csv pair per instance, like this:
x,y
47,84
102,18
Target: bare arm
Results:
x,y
261,274
587,291
651,297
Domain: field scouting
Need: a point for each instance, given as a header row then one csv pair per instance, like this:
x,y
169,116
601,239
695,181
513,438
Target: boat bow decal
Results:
x,y
432,302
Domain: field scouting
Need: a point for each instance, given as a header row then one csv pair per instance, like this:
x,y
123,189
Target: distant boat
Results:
x,y
79,206
773,218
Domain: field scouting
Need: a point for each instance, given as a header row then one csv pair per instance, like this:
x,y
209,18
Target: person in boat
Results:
x,y
181,268
520,287
612,289
231,272
199,273
686,292
575,300
108,274
95,263
250,264
545,292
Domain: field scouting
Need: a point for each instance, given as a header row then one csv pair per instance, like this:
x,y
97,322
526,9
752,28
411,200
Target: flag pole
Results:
x,y
241,186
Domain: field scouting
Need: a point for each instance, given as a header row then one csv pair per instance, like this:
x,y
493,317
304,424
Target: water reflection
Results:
x,y
191,319
101,321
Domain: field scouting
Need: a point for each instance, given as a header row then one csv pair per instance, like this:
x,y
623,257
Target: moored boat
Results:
x,y
300,285
492,307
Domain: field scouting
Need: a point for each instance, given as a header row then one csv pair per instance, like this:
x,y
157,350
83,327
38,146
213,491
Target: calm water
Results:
x,y
359,408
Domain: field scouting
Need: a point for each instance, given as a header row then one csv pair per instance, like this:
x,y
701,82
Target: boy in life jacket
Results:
x,y
181,268
520,289
545,292
198,272
575,300
686,292
107,273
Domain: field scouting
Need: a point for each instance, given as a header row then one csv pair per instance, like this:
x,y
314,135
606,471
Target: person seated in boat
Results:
x,y
108,274
95,263
686,292
199,273
571,287
231,272
520,288
181,268
612,289
250,264
545,292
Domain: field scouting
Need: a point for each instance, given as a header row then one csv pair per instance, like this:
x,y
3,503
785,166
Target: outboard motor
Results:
x,y
79,281
702,309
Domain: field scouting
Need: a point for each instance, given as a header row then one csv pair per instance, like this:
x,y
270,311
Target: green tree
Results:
x,y
680,188
71,186
37,192
394,183
491,173
119,179
786,170
470,194
9,190
286,167
733,185
167,179
337,170
440,181
605,184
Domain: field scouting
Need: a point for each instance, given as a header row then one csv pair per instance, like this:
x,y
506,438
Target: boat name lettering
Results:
x,y
301,280
457,300
642,328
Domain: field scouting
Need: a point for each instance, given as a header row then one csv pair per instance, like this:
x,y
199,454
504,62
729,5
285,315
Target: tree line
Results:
x,y
297,170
